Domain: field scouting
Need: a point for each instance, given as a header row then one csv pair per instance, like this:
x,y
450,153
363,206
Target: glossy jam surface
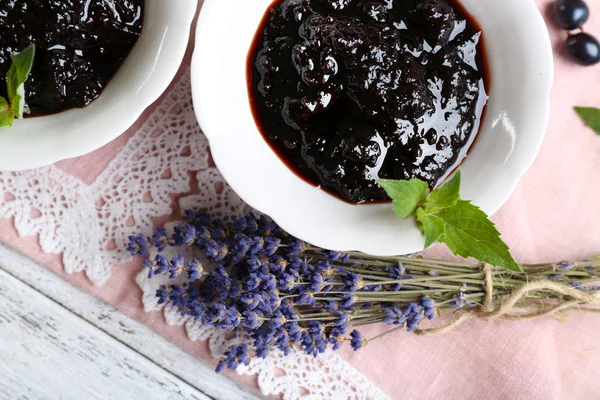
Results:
x,y
351,91
80,44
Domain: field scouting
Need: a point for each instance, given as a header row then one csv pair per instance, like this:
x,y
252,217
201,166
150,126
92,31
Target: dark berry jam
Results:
x,y
351,91
80,45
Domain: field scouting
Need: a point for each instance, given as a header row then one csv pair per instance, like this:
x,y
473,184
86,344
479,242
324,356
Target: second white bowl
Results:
x,y
143,77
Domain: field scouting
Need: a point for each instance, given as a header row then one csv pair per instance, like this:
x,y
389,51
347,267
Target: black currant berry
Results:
x,y
585,48
571,14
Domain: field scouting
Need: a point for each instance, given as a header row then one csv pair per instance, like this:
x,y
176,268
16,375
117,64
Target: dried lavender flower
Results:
x,y
284,293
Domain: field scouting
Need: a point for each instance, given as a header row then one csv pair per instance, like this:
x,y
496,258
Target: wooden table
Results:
x,y
58,342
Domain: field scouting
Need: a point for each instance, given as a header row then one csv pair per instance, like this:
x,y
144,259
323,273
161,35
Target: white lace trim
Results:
x,y
89,225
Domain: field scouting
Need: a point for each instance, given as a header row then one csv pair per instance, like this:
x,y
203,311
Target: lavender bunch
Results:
x,y
285,293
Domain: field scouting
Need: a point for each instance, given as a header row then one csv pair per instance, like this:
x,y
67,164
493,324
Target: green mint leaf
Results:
x,y
406,195
469,233
6,115
17,76
444,196
591,116
433,227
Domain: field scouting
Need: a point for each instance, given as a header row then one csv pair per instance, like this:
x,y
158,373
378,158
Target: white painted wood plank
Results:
x,y
46,352
123,328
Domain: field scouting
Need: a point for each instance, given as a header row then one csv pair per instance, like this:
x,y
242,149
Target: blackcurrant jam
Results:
x,y
348,92
80,45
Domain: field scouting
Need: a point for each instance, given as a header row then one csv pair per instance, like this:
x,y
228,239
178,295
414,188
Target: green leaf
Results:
x,y
17,76
444,217
444,196
469,233
591,116
406,195
433,227
6,115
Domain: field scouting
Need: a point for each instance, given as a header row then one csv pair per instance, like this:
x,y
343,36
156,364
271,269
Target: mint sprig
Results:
x,y
15,83
591,116
443,217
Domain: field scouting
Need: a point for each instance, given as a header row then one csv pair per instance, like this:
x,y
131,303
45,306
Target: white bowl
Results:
x,y
143,77
521,64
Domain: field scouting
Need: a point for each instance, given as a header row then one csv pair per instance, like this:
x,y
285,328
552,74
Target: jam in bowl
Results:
x,y
347,93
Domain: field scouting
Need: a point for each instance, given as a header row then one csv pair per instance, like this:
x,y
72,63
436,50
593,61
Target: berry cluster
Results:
x,y
572,15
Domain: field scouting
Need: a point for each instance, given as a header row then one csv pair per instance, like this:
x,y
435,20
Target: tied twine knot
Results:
x,y
569,298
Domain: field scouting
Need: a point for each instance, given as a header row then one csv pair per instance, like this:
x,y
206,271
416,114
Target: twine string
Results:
x,y
509,308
